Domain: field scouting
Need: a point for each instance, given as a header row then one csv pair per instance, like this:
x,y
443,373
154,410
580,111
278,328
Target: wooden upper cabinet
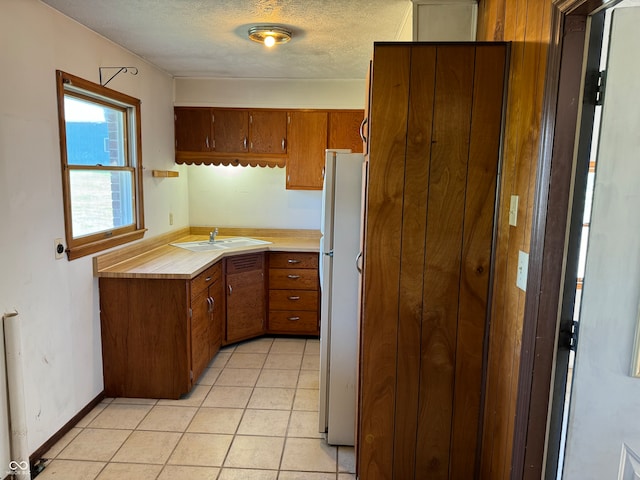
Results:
x,y
268,131
307,144
261,137
344,130
193,129
230,130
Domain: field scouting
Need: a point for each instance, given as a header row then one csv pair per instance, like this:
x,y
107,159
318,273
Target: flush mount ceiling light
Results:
x,y
269,35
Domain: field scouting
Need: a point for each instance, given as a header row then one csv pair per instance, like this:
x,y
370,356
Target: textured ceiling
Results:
x,y
208,38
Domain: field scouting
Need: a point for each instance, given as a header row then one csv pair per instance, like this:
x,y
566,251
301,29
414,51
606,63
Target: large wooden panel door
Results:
x,y
435,127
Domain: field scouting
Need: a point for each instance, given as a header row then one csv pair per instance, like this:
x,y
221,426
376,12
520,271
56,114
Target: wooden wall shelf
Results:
x,y
165,173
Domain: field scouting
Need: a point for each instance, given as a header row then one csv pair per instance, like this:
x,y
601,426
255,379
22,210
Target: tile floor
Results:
x,y
252,415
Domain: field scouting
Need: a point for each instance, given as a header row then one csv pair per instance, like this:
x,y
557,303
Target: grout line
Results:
x,y
200,405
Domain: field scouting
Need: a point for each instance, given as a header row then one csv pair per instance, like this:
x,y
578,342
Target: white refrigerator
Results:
x,y
339,283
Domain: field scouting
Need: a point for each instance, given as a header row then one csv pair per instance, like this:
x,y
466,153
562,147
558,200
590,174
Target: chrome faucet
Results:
x,y
212,235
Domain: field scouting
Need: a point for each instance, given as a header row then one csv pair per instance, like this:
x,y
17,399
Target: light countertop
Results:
x,y
170,262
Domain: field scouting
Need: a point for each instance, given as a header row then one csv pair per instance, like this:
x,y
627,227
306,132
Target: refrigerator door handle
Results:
x,y
329,253
358,266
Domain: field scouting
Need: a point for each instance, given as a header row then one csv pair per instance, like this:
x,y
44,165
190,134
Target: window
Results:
x,y
101,166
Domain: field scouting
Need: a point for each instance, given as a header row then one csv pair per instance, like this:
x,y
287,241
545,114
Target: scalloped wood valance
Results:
x,y
247,160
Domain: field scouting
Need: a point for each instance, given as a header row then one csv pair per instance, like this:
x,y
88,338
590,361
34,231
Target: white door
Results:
x,y
603,439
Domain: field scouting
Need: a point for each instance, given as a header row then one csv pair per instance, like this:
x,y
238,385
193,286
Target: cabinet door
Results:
x,y
307,144
344,130
245,297
201,330
216,330
230,130
268,131
193,129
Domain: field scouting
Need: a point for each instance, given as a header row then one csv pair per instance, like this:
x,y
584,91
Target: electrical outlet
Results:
x,y
58,246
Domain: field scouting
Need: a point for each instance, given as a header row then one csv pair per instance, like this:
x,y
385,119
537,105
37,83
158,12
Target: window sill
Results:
x,y
100,245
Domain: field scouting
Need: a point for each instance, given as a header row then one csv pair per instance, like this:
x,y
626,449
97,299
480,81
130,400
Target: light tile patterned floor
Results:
x,y
252,416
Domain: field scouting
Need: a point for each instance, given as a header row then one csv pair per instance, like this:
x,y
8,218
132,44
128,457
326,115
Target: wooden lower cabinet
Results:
x,y
293,293
207,317
159,334
245,297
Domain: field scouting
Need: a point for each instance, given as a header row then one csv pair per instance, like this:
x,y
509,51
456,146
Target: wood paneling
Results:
x,y
433,167
416,185
445,214
387,130
476,255
526,23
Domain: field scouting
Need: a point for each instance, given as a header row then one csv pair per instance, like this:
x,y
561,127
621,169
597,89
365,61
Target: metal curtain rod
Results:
x,y
131,70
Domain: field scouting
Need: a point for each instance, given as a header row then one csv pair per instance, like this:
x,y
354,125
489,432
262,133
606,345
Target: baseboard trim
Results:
x,y
44,448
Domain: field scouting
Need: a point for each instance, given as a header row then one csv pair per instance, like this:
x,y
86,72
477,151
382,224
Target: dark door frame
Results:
x,y
542,360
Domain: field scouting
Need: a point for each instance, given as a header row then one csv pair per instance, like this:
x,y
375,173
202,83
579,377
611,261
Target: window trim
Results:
x,y
93,243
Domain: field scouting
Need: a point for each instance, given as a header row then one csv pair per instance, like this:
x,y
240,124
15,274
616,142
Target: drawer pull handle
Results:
x,y
293,319
294,298
291,260
293,277
208,279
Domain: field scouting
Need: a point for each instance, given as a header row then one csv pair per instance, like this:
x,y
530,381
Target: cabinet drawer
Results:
x,y
293,300
206,278
288,278
293,322
293,260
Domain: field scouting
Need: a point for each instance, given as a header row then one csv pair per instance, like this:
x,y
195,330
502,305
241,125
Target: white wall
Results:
x,y
57,299
256,197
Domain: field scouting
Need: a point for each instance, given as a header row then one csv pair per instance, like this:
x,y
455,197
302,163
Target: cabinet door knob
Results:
x,y
244,143
230,289
284,144
293,277
209,305
213,303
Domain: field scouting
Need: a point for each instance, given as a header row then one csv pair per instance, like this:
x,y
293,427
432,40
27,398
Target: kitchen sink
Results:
x,y
222,244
